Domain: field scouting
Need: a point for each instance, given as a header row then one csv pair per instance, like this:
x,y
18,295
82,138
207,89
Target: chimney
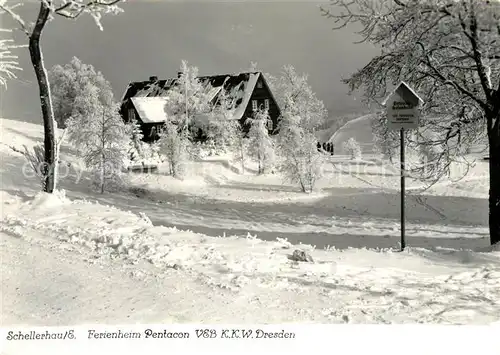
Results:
x,y
153,78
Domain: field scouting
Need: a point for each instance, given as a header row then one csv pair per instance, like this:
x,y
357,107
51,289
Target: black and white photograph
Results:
x,y
250,162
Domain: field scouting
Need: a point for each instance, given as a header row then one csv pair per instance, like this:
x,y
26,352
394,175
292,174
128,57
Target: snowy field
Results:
x,y
215,247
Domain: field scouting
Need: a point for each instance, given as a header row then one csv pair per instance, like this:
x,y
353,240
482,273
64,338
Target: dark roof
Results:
x,y
160,87
148,88
239,88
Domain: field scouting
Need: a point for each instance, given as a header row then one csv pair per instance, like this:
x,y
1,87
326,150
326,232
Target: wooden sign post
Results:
x,y
402,114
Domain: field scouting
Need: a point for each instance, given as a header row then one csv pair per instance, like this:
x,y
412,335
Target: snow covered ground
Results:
x,y
215,248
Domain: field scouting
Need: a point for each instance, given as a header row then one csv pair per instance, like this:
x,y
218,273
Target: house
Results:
x,y
145,101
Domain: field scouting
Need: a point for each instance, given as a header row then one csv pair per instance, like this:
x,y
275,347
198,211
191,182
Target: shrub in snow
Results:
x,y
35,157
101,137
352,147
260,145
174,146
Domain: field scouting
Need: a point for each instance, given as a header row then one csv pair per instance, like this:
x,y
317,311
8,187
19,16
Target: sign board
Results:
x,y
403,108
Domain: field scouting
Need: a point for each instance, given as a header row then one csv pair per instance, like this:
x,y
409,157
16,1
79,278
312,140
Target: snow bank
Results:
x,y
43,200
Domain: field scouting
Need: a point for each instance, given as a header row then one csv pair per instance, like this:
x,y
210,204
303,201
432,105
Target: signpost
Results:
x,y
402,114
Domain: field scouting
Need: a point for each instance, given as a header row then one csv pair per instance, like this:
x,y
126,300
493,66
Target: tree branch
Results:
x,y
448,81
477,55
73,10
16,18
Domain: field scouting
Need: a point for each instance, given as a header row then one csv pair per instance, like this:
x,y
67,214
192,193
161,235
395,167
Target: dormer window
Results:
x,y
259,84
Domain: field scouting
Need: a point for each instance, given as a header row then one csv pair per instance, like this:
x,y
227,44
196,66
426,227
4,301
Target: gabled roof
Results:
x,y
406,93
150,109
238,86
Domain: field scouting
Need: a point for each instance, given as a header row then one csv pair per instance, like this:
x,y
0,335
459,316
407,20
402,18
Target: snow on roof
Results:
x,y
151,109
245,92
239,88
152,88
214,92
405,90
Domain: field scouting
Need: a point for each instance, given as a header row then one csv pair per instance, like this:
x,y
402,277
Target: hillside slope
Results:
x,y
359,129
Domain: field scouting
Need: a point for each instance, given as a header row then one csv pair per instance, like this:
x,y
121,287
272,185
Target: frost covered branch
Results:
x,y
9,63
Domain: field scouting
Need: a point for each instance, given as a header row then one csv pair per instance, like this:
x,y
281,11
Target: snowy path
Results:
x,y
338,220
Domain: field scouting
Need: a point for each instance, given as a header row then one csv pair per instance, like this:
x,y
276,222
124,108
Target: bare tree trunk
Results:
x,y
102,172
494,198
260,165
49,124
241,143
103,156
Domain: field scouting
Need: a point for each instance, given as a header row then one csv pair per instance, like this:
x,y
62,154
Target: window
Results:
x,y
266,104
259,84
131,114
254,105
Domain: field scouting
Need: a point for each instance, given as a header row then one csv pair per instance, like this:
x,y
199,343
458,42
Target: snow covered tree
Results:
x,y
296,97
449,52
136,135
221,129
67,83
101,137
174,146
260,145
9,64
50,9
301,161
352,147
188,98
302,114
